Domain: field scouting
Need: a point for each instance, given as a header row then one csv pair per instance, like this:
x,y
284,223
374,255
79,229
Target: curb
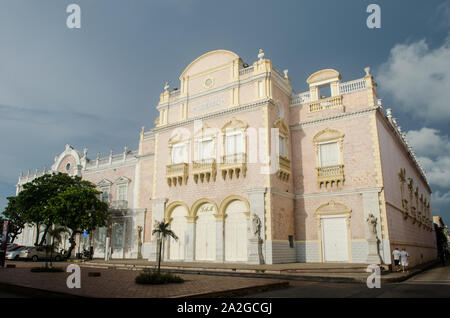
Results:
x,y
264,274
410,274
239,274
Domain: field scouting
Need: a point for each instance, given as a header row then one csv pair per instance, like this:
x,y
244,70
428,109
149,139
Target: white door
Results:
x,y
179,227
334,239
99,242
118,239
205,237
236,232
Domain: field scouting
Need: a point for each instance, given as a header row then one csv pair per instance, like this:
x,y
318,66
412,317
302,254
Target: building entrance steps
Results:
x,y
332,272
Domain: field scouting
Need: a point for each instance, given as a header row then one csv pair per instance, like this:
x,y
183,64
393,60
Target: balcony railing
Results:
x,y
285,168
330,176
326,103
177,173
246,70
233,164
301,98
119,205
204,169
352,86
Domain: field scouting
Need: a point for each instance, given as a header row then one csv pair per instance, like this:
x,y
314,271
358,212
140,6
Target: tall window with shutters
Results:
x,y
205,149
234,143
282,146
122,190
179,153
329,154
328,144
104,196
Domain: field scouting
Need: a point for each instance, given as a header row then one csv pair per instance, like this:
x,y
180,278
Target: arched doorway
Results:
x,y
178,225
205,233
236,231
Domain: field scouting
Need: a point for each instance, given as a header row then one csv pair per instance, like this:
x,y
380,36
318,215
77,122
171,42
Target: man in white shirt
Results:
x,y
396,254
404,259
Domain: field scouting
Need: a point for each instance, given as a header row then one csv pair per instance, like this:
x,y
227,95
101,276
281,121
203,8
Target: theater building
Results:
x,y
246,170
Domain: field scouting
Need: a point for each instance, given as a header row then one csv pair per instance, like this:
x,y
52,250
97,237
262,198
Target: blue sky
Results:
x,y
96,86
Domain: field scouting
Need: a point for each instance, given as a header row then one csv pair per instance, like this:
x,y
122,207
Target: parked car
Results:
x,y
14,254
12,247
36,253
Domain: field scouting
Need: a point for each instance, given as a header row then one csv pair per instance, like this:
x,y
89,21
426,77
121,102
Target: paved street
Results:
x,y
117,283
434,283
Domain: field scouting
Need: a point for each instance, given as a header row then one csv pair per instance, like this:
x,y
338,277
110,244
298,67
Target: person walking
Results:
x,y
396,254
404,259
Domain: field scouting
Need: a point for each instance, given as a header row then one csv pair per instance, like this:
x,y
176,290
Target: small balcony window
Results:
x,y
179,153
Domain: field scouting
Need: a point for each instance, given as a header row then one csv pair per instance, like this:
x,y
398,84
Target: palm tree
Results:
x,y
55,234
162,231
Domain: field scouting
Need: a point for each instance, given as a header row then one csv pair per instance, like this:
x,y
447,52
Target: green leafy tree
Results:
x,y
34,200
78,208
162,231
15,216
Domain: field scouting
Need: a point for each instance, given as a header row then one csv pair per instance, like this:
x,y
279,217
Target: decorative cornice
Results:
x,y
190,98
222,112
342,116
337,193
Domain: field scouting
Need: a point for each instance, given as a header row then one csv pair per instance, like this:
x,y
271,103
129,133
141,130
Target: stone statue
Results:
x,y
372,222
140,229
260,54
256,226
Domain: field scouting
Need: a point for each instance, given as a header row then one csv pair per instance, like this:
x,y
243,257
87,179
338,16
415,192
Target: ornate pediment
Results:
x,y
206,131
328,134
282,127
122,180
104,183
332,207
324,76
235,124
209,61
179,135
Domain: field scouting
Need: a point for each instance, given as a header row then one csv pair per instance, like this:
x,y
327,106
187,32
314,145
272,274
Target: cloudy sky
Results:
x,y
96,86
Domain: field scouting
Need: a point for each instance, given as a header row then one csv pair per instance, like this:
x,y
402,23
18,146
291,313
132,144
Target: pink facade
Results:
x,y
336,162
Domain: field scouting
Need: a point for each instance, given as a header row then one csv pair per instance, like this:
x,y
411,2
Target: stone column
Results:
x,y
159,206
190,241
220,247
257,203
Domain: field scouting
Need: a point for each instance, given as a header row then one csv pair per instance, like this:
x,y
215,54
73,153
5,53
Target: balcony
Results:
x,y
330,176
177,174
325,103
204,169
119,205
233,164
284,170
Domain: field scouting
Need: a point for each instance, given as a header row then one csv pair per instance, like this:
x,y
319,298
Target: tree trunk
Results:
x,y
72,244
159,258
44,235
37,234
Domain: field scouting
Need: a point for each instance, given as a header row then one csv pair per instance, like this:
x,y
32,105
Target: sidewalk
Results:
x,y
329,272
115,283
